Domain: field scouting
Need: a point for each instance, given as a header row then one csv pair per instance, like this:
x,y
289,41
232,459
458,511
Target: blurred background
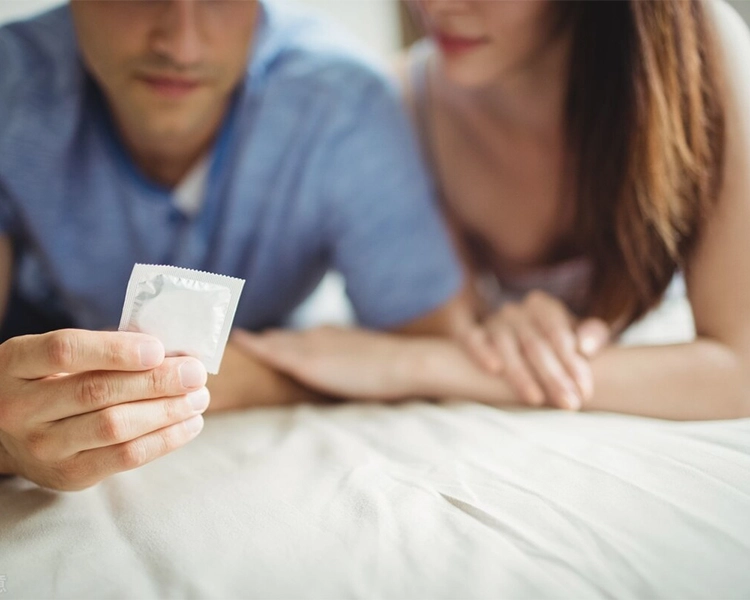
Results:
x,y
381,24
376,22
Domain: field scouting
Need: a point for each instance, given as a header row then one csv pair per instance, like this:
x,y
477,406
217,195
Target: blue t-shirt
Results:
x,y
315,168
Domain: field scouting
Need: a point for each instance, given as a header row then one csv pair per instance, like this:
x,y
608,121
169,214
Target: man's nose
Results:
x,y
178,33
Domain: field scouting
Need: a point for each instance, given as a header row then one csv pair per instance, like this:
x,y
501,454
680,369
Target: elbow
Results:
x,y
744,397
741,368
731,377
741,356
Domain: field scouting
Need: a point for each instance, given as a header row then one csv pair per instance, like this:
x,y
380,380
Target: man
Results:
x,y
142,132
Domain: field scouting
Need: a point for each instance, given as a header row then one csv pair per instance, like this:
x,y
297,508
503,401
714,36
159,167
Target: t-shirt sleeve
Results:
x,y
7,225
386,234
9,78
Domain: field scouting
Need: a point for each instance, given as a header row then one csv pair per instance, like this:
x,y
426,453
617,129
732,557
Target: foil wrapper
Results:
x,y
191,312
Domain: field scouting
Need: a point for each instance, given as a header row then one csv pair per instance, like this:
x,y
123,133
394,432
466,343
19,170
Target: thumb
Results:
x,y
478,344
593,334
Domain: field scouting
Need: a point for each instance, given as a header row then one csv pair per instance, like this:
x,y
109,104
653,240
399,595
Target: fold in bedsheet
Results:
x,y
412,501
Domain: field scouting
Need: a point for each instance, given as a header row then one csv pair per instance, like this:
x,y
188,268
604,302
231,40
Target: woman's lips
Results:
x,y
170,87
452,44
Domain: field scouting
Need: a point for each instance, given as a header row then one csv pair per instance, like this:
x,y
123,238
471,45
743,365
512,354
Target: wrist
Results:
x,y
418,368
439,368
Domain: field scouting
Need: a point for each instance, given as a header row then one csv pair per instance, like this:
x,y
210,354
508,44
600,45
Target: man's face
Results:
x,y
167,67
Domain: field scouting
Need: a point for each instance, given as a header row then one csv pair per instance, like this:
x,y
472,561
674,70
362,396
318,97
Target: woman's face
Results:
x,y
480,40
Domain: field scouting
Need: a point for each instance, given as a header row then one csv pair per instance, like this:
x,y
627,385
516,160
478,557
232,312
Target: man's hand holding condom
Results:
x,y
77,406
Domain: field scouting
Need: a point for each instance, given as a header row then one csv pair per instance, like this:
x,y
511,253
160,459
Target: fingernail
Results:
x,y
587,388
192,374
535,397
588,345
199,400
194,424
151,353
572,401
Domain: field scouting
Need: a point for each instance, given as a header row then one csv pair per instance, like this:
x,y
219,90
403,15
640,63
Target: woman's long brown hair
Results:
x,y
646,127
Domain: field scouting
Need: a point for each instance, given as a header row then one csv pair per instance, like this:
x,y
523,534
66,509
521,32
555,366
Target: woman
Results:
x,y
586,153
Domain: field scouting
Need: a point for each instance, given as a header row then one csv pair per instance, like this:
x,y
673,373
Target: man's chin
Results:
x,y
176,129
176,136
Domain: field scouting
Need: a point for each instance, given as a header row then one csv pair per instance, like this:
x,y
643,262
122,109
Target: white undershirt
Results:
x,y
189,194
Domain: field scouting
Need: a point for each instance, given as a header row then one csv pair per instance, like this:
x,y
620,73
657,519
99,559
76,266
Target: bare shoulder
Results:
x,y
733,39
718,275
733,44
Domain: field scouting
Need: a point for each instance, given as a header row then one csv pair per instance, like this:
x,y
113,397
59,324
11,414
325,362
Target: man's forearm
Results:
x,y
243,382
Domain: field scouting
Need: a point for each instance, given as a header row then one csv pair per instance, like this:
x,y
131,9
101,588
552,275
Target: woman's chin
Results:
x,y
465,75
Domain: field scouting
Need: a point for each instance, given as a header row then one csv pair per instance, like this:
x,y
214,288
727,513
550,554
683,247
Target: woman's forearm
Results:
x,y
695,381
439,368
699,380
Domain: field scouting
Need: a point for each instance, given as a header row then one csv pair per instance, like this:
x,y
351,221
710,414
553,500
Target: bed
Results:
x,y
418,500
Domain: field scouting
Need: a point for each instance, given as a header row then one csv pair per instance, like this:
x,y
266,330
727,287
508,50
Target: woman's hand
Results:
x,y
544,351
350,363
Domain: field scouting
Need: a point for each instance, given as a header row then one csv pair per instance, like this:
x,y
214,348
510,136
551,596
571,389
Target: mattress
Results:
x,y
420,500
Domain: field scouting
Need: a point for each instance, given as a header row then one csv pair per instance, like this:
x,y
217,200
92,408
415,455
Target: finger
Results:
x,y
558,386
478,343
89,392
515,370
121,423
553,320
564,344
91,466
556,324
593,334
78,350
584,375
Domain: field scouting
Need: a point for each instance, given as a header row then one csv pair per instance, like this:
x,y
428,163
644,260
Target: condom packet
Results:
x,y
191,312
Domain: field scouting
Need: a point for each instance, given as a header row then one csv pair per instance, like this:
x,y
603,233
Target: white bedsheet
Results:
x,y
420,500
414,501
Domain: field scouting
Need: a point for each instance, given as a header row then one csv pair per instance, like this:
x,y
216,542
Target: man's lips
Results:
x,y
454,44
170,87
